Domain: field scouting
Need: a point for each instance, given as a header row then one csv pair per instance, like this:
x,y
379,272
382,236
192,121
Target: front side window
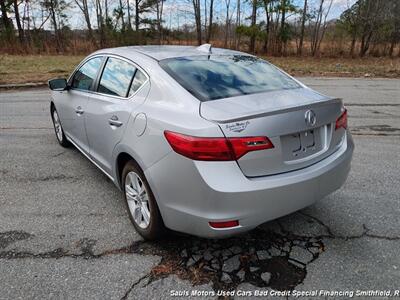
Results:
x,y
212,77
116,78
84,77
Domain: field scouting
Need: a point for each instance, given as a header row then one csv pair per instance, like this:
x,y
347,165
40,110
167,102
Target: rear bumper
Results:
x,y
190,194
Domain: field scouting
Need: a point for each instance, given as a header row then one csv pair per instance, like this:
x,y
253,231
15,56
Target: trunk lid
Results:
x,y
286,118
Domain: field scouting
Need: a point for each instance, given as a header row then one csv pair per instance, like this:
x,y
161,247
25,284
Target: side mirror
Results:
x,y
58,84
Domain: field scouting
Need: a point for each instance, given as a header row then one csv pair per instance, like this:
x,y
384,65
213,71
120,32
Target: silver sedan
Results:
x,y
210,142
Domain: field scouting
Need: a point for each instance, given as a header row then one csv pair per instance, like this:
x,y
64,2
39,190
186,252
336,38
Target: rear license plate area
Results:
x,y
301,144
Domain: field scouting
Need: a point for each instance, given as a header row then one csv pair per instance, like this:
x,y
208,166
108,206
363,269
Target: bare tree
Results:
x,y
18,21
128,9
274,7
50,5
371,18
145,7
371,22
210,22
236,37
137,14
325,25
159,14
197,17
106,10
26,17
350,20
83,6
227,21
100,22
367,30
395,19
267,24
282,32
121,15
366,26
205,18
253,25
320,26
303,22
7,23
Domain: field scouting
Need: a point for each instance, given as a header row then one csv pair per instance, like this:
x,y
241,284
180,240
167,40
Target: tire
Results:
x,y
58,130
151,228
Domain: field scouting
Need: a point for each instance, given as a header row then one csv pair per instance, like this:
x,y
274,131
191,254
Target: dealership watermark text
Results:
x,y
292,293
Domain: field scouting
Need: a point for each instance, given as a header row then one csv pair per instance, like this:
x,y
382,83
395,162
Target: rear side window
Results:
x,y
84,77
212,77
116,78
137,82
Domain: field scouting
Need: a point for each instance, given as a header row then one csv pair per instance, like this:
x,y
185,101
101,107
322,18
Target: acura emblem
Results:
x,y
311,118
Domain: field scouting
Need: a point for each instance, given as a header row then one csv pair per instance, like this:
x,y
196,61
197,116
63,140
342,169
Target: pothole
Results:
x,y
261,257
9,237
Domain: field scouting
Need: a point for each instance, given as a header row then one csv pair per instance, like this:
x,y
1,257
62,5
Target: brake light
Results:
x,y
341,122
215,149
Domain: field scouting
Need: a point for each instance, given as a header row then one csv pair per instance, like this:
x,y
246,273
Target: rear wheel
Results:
x,y
58,128
141,204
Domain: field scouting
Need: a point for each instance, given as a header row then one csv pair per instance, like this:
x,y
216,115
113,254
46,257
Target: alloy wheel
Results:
x,y
137,197
57,126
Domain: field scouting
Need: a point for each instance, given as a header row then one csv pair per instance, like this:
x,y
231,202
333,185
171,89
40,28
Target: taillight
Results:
x,y
215,149
243,145
199,148
341,122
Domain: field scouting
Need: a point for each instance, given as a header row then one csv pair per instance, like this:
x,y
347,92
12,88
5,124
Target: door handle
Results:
x,y
113,121
79,110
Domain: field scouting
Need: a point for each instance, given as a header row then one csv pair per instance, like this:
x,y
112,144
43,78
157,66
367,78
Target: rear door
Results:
x,y
74,101
120,90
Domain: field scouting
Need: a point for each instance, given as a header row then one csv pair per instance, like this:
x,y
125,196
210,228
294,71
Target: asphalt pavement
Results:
x,y
65,234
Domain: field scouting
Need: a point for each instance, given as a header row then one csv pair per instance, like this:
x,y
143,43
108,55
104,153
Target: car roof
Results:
x,y
163,52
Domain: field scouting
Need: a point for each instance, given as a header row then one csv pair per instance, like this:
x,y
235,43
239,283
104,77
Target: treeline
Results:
x,y
272,27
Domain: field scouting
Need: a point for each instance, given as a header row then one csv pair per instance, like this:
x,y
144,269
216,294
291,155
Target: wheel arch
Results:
x,y
121,159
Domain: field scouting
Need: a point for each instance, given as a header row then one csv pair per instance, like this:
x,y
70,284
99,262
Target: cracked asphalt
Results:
x,y
64,232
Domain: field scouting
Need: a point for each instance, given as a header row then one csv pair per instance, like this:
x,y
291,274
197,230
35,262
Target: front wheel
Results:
x,y
141,204
58,128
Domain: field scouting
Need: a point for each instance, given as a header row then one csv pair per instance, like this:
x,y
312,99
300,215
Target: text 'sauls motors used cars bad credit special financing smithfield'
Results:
x,y
210,142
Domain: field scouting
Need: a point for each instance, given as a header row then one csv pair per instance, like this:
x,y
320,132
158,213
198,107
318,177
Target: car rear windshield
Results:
x,y
212,77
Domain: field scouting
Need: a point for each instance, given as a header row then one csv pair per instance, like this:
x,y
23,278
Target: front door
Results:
x,y
75,100
73,106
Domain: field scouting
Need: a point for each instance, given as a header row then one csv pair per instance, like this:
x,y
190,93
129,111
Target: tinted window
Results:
x,y
137,82
86,74
116,77
223,76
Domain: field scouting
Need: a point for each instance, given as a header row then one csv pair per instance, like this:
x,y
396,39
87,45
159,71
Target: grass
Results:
x,y
339,67
40,68
35,68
